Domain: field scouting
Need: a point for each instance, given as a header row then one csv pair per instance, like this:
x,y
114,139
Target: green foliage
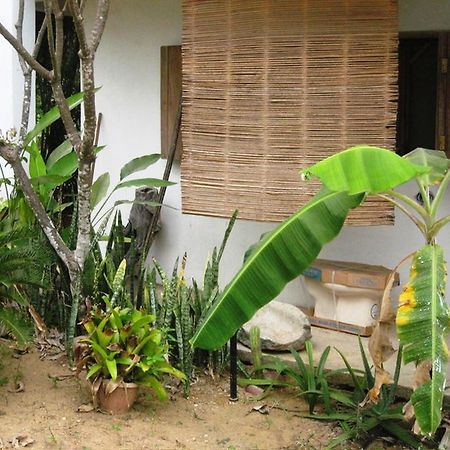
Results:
x,y
264,274
122,345
310,379
255,348
138,164
50,179
373,170
15,321
20,269
288,250
107,273
181,308
51,117
360,418
101,186
423,316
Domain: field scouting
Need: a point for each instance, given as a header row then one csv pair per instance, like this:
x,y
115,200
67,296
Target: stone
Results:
x,y
282,327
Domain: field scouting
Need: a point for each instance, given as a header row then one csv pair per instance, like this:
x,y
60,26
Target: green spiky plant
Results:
x,y
181,308
348,177
360,419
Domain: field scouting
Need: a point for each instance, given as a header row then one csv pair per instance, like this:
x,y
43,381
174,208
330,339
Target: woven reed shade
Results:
x,y
273,86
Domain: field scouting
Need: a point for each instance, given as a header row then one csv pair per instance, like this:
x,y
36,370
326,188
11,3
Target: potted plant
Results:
x,y
123,350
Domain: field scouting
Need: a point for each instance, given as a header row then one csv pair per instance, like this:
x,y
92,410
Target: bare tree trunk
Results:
x,y
83,143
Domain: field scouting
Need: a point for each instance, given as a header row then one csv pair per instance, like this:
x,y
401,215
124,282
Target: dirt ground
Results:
x,y
44,415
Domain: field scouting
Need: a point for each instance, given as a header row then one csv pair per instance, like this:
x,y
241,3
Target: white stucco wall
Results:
x,y
424,15
128,69
11,79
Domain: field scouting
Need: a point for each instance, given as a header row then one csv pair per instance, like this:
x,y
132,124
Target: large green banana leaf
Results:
x,y
280,256
422,323
437,162
364,169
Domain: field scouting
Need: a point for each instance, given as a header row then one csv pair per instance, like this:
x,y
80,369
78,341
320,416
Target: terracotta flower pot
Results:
x,y
119,400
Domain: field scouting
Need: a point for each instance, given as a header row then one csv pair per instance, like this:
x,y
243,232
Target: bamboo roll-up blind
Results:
x,y
273,86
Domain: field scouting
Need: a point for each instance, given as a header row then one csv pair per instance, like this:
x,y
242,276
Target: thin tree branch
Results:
x,y
26,104
40,38
69,124
19,34
51,38
99,24
79,27
56,45
59,24
22,51
27,74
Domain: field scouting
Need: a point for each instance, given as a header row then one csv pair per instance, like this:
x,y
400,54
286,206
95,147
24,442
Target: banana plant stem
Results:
x,y
410,202
439,224
439,195
420,225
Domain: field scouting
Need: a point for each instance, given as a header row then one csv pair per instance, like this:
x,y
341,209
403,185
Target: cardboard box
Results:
x,y
347,309
339,326
350,274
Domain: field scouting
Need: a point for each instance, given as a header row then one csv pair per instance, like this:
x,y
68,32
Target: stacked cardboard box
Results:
x,y
354,314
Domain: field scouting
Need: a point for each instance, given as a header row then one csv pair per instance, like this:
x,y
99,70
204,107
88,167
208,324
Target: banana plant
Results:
x,y
283,254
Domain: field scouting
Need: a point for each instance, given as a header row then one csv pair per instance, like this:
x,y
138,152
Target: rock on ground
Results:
x,y
282,326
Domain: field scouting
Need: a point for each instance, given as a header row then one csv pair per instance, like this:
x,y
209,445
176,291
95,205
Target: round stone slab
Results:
x,y
282,327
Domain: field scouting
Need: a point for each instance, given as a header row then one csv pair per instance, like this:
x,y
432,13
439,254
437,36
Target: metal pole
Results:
x,y
233,368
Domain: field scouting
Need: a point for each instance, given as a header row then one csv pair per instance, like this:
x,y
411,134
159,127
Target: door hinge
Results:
x,y
444,65
442,143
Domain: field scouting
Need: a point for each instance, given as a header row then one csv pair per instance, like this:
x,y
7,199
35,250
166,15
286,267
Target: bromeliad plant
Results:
x,y
348,177
123,347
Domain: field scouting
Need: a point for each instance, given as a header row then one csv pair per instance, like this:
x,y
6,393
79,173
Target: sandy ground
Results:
x,y
45,415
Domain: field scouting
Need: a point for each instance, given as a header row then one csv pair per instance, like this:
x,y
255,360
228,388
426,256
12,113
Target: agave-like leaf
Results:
x,y
280,257
117,284
153,383
422,324
364,169
37,165
112,368
142,323
52,116
137,164
93,370
99,189
436,161
152,182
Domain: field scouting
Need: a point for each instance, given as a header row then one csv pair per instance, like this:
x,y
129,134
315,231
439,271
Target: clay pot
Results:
x,y
119,400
